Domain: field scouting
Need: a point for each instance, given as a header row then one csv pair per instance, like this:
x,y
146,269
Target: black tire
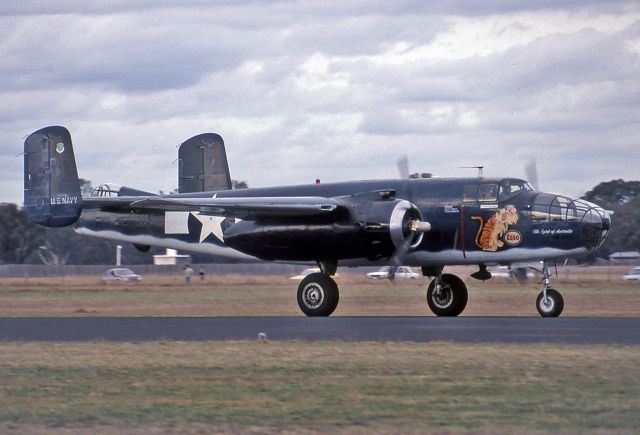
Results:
x,y
554,306
453,298
318,295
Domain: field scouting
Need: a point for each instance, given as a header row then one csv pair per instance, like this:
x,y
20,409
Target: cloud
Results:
x,y
305,90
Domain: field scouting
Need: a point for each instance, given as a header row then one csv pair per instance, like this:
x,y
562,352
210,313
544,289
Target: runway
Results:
x,y
569,330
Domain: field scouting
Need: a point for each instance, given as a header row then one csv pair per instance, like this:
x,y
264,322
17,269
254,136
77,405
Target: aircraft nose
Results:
x,y
595,223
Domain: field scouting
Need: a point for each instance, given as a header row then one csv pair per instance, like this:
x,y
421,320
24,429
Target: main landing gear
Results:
x,y
447,294
549,302
318,293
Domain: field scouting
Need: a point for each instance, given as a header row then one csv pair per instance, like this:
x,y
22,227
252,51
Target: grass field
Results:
x,y
331,386
295,387
276,296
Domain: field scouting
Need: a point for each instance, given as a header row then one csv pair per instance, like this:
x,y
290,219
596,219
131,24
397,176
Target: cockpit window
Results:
x,y
553,208
488,192
107,190
511,188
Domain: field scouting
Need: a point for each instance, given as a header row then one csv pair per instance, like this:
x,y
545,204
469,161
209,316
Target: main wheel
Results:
x,y
452,299
318,295
553,306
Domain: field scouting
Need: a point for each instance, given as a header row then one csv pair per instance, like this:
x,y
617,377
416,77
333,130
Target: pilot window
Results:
x,y
511,188
488,192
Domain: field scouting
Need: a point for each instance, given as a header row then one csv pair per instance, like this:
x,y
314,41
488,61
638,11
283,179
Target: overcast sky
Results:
x,y
330,90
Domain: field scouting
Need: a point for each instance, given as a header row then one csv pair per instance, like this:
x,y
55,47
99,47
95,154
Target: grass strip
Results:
x,y
320,386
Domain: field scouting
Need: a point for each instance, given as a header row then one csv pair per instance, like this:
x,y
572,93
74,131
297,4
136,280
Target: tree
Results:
x,y
237,184
19,237
623,198
85,187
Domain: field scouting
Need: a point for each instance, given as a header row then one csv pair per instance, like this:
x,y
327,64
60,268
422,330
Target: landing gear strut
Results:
x,y
447,294
549,302
318,293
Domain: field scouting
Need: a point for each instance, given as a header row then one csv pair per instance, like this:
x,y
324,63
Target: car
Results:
x,y
511,272
401,272
309,271
634,274
120,274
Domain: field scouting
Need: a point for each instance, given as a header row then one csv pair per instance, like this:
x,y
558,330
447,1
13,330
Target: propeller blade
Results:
x,y
397,259
531,172
401,252
403,167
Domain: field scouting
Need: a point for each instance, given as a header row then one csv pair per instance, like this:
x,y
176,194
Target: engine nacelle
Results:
x,y
401,219
369,229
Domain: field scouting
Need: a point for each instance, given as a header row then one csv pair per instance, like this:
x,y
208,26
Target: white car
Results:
x,y
120,274
402,272
507,272
634,274
309,271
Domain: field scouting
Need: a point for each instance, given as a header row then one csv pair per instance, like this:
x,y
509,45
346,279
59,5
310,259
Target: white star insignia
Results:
x,y
210,225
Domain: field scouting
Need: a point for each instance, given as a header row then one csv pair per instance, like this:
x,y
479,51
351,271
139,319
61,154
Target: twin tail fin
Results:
x,y
51,187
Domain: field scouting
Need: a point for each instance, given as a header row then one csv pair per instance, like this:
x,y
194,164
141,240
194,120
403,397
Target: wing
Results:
x,y
244,208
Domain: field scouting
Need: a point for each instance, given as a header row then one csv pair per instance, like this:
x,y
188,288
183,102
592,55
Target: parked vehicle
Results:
x,y
309,271
401,272
512,272
634,274
120,274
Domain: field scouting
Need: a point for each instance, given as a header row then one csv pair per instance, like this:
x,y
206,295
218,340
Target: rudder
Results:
x,y
203,164
51,187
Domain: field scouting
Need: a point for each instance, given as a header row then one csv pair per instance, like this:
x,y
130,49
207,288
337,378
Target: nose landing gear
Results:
x,y
549,302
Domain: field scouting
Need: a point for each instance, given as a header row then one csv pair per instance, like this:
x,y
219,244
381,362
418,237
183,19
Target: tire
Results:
x,y
318,295
555,305
453,298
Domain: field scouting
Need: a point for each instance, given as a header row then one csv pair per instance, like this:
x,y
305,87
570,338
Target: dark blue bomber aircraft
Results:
x,y
429,222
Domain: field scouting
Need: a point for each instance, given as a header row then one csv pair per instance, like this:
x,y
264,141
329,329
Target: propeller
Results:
x,y
403,166
531,172
407,229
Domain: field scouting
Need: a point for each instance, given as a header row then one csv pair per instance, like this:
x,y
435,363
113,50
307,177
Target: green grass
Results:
x,y
295,386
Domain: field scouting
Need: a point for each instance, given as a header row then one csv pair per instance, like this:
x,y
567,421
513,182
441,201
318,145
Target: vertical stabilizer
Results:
x,y
203,164
51,188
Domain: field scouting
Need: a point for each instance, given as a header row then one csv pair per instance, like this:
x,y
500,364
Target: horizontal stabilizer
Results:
x,y
245,208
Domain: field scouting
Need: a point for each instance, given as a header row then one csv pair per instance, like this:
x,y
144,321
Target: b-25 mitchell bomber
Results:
x,y
424,222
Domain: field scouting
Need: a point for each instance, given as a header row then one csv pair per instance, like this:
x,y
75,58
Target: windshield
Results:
x,y
511,188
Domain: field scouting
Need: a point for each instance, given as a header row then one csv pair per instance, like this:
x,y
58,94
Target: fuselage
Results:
x,y
473,221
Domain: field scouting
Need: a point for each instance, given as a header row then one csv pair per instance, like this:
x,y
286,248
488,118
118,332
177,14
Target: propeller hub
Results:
x,y
406,225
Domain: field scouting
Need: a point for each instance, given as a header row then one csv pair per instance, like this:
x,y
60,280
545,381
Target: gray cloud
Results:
x,y
301,90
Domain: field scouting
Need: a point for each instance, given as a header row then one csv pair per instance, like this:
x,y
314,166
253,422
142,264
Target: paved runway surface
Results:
x,y
575,330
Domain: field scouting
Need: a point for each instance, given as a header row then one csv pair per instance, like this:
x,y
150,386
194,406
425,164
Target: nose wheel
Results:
x,y
549,302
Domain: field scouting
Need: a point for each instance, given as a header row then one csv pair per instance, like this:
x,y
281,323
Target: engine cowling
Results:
x,y
369,229
400,219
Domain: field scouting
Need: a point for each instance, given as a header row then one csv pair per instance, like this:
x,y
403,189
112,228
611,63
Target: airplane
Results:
x,y
423,222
